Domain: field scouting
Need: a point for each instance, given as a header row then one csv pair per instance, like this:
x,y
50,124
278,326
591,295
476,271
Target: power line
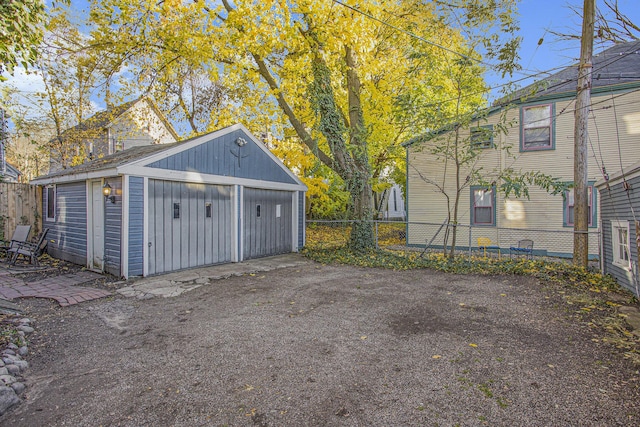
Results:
x,y
551,87
415,36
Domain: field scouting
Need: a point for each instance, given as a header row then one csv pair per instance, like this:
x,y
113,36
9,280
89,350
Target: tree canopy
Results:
x,y
342,76
22,25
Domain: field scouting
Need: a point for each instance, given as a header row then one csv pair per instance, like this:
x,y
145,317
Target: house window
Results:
x,y
119,145
278,210
537,127
51,204
176,210
483,202
569,201
482,137
258,211
207,210
620,243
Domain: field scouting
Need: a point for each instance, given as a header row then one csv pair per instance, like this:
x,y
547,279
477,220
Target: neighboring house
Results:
x,y
540,128
390,203
133,124
9,173
620,219
217,198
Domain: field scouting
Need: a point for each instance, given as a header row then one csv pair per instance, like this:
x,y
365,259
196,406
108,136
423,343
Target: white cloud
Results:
x,y
25,82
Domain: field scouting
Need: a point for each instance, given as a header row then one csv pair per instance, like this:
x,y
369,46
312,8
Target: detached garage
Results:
x,y
217,198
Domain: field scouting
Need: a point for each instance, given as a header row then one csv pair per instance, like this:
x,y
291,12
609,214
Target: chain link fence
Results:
x,y
434,237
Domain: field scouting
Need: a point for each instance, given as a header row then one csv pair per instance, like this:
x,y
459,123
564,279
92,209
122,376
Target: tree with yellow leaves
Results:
x,y
339,74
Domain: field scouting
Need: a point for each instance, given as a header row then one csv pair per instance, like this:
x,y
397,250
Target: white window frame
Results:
x,y
479,195
546,123
621,250
570,204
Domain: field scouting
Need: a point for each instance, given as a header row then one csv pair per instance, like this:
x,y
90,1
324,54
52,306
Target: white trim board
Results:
x,y
83,176
197,177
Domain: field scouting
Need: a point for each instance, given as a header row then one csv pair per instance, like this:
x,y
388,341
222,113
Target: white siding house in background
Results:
x,y
217,198
540,138
391,204
132,124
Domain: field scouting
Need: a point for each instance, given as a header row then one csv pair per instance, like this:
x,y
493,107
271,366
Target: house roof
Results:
x,y
112,161
12,171
615,66
627,173
103,119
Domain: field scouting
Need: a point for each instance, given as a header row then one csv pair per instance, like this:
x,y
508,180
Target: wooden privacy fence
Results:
x,y
20,204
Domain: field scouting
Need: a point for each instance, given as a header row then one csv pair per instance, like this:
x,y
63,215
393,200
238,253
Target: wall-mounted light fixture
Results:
x,y
106,191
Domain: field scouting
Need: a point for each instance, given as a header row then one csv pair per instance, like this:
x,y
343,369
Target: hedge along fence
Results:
x,y
20,204
334,234
414,236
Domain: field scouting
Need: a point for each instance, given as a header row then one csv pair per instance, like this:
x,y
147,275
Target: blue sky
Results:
x,y
539,16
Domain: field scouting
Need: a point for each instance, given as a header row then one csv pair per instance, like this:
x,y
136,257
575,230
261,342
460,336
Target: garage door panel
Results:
x,y
208,228
182,235
267,222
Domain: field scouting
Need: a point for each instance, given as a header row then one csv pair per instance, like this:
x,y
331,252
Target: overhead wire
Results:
x,y
410,34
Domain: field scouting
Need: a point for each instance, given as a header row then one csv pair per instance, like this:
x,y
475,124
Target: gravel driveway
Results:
x,y
318,345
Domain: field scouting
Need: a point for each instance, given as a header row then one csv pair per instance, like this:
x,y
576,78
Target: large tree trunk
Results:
x,y
360,181
362,236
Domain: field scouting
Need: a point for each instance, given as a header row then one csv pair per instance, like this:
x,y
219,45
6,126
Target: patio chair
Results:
x,y
29,250
20,235
485,243
524,248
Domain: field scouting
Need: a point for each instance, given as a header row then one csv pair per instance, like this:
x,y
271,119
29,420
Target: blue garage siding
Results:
x,y
113,229
68,232
615,204
222,156
136,225
301,219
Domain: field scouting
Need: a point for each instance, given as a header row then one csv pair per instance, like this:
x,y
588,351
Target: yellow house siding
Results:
x,y
614,142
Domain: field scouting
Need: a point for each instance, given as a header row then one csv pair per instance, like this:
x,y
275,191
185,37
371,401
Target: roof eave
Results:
x,y
74,177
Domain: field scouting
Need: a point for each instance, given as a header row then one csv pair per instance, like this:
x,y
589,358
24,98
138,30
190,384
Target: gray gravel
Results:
x,y
326,346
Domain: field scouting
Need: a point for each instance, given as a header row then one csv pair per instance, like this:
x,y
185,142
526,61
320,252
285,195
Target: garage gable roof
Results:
x,y
230,153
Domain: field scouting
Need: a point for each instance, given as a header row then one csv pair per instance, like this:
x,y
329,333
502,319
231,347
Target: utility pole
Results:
x,y
581,137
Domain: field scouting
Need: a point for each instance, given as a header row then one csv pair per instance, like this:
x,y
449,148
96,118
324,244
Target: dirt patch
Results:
x,y
326,345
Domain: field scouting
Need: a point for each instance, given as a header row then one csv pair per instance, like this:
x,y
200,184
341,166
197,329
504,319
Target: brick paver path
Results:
x,y
61,288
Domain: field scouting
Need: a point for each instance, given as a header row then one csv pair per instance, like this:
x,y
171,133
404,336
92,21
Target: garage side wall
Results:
x,y
136,225
301,219
68,230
